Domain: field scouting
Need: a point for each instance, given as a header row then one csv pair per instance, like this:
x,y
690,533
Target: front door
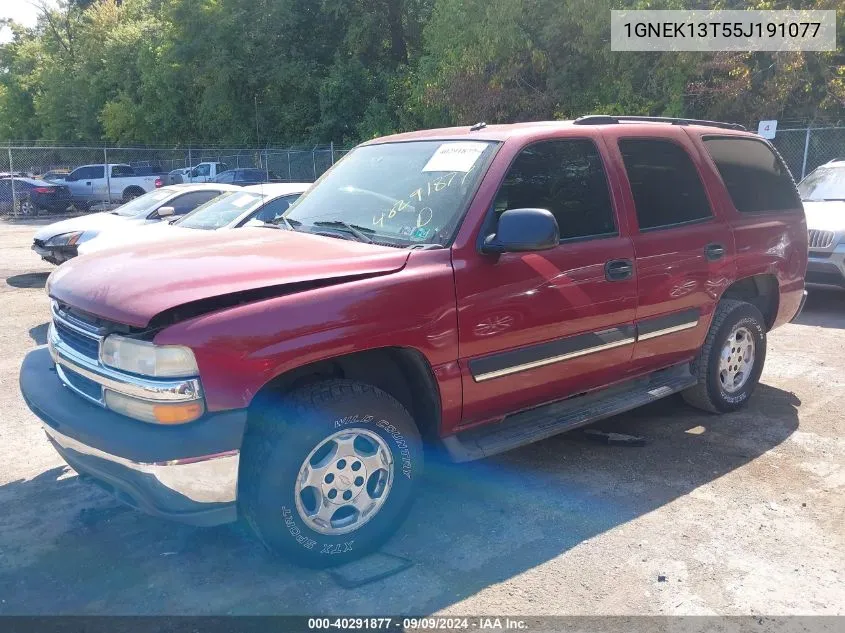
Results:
x,y
80,182
537,327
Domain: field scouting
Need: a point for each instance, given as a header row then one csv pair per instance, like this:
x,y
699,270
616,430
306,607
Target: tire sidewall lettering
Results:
x,y
394,433
738,398
326,545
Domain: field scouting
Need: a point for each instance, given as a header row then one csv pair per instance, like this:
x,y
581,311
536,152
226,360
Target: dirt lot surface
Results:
x,y
739,514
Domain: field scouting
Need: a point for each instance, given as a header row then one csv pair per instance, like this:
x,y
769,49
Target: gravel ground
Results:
x,y
738,514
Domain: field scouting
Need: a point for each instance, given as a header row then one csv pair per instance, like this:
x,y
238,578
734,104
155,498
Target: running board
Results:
x,y
547,420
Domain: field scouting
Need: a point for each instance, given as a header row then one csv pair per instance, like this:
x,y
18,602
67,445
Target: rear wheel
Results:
x,y
28,208
132,192
729,365
329,471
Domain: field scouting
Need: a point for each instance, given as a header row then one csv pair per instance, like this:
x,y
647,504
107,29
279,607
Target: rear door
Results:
x,y
537,327
684,251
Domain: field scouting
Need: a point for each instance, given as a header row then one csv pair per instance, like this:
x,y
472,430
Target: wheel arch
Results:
x,y
132,190
761,290
403,372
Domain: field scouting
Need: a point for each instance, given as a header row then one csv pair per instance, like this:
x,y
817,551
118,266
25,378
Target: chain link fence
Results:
x,y
20,162
804,149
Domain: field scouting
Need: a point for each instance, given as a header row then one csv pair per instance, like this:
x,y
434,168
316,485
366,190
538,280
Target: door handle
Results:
x,y
88,183
714,252
618,269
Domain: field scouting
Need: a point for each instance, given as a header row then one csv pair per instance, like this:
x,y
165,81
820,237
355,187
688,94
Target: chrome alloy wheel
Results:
x,y
344,481
736,361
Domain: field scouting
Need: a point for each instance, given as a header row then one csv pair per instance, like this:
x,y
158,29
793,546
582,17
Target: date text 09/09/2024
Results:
x,y
481,623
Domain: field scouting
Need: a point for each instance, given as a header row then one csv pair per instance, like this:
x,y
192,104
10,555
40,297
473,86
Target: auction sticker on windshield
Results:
x,y
457,156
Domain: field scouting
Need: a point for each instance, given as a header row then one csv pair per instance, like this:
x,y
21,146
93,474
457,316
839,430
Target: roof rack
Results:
x,y
605,119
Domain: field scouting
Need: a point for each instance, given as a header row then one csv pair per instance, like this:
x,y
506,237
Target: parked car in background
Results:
x,y
55,175
203,172
255,205
246,176
58,242
33,196
89,184
823,193
482,288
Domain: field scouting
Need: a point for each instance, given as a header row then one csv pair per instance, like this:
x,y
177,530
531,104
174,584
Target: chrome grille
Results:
x,y
76,340
820,239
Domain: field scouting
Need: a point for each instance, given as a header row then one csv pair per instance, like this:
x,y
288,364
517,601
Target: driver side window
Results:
x,y
567,178
275,208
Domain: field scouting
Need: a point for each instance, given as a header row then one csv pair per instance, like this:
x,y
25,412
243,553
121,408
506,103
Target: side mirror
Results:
x,y
164,212
522,231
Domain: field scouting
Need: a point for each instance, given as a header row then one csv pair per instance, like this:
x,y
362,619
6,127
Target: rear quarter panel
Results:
x,y
767,243
774,243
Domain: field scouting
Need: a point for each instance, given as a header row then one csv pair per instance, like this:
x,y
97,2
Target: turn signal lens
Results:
x,y
177,413
153,412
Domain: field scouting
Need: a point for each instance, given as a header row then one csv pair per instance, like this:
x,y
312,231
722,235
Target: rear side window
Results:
x,y
755,177
119,171
664,182
567,178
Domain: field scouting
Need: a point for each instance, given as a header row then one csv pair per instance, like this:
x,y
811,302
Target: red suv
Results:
x,y
475,289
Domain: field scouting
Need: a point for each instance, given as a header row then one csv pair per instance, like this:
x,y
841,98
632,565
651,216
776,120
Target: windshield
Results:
x,y
396,193
221,211
142,205
826,183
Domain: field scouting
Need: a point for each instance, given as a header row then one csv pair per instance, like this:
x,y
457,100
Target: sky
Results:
x,y
23,11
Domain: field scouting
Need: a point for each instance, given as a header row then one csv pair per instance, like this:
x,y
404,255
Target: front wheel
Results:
x,y
329,471
729,365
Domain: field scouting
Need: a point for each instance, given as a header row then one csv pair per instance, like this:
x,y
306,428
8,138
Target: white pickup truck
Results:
x,y
90,184
203,172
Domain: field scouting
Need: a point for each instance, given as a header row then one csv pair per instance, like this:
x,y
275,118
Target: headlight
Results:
x,y
141,357
65,239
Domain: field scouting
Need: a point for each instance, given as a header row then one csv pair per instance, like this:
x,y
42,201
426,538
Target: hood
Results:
x,y
133,284
130,234
825,215
91,224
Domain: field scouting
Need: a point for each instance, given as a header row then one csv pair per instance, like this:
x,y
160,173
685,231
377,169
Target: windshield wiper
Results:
x,y
354,229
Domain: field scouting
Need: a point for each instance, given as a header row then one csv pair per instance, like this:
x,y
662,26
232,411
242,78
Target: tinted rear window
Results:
x,y
755,177
664,182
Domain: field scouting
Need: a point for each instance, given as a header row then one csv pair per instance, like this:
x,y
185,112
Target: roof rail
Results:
x,y
836,160
605,119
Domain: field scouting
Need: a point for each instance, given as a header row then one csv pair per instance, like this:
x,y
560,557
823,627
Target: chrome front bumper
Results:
x,y
206,479
186,472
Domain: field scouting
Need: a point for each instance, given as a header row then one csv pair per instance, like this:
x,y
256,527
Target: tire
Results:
x,y
285,436
131,193
28,208
718,390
